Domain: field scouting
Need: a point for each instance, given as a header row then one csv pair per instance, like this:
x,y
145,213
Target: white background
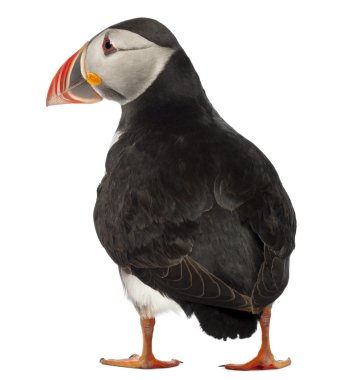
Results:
x,y
275,71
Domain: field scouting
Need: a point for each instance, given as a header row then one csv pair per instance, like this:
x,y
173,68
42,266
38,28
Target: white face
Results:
x,y
126,64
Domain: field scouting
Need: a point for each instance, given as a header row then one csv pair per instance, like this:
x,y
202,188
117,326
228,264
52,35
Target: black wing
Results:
x,y
263,204
142,216
148,223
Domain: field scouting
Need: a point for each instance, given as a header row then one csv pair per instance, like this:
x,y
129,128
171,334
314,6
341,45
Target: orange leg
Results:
x,y
146,360
265,358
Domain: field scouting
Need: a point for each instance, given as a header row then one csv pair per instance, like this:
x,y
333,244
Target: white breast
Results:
x,y
146,300
116,136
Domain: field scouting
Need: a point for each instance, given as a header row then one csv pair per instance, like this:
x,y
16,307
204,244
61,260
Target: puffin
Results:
x,y
193,213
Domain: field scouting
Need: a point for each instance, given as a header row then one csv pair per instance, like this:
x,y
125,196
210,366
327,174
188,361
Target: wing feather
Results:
x,y
149,223
196,285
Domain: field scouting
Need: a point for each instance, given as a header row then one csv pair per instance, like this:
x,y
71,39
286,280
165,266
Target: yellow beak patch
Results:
x,y
93,79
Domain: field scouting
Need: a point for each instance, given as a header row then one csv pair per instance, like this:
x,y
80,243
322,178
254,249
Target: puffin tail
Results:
x,y
223,323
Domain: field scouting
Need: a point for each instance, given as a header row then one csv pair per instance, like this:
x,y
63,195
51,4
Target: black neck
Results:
x,y
176,94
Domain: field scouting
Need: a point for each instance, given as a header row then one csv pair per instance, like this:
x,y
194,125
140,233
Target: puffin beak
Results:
x,y
69,84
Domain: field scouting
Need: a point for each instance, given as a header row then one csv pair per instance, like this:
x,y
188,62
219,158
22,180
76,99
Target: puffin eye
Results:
x,y
107,46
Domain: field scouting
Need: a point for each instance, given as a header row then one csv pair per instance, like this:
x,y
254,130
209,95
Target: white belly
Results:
x,y
146,300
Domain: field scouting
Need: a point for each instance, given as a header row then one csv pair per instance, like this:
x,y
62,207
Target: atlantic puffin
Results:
x,y
194,214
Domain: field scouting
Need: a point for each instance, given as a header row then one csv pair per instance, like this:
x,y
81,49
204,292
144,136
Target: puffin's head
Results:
x,y
119,63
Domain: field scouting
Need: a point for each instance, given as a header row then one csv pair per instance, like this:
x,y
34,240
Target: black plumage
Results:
x,y
191,207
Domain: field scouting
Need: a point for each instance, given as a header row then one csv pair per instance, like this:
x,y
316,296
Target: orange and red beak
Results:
x,y
69,85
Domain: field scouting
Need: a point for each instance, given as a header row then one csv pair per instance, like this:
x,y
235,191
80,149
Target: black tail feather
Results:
x,y
223,323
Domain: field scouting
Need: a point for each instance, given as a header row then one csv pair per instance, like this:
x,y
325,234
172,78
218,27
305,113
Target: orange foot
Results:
x,y
136,361
260,362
